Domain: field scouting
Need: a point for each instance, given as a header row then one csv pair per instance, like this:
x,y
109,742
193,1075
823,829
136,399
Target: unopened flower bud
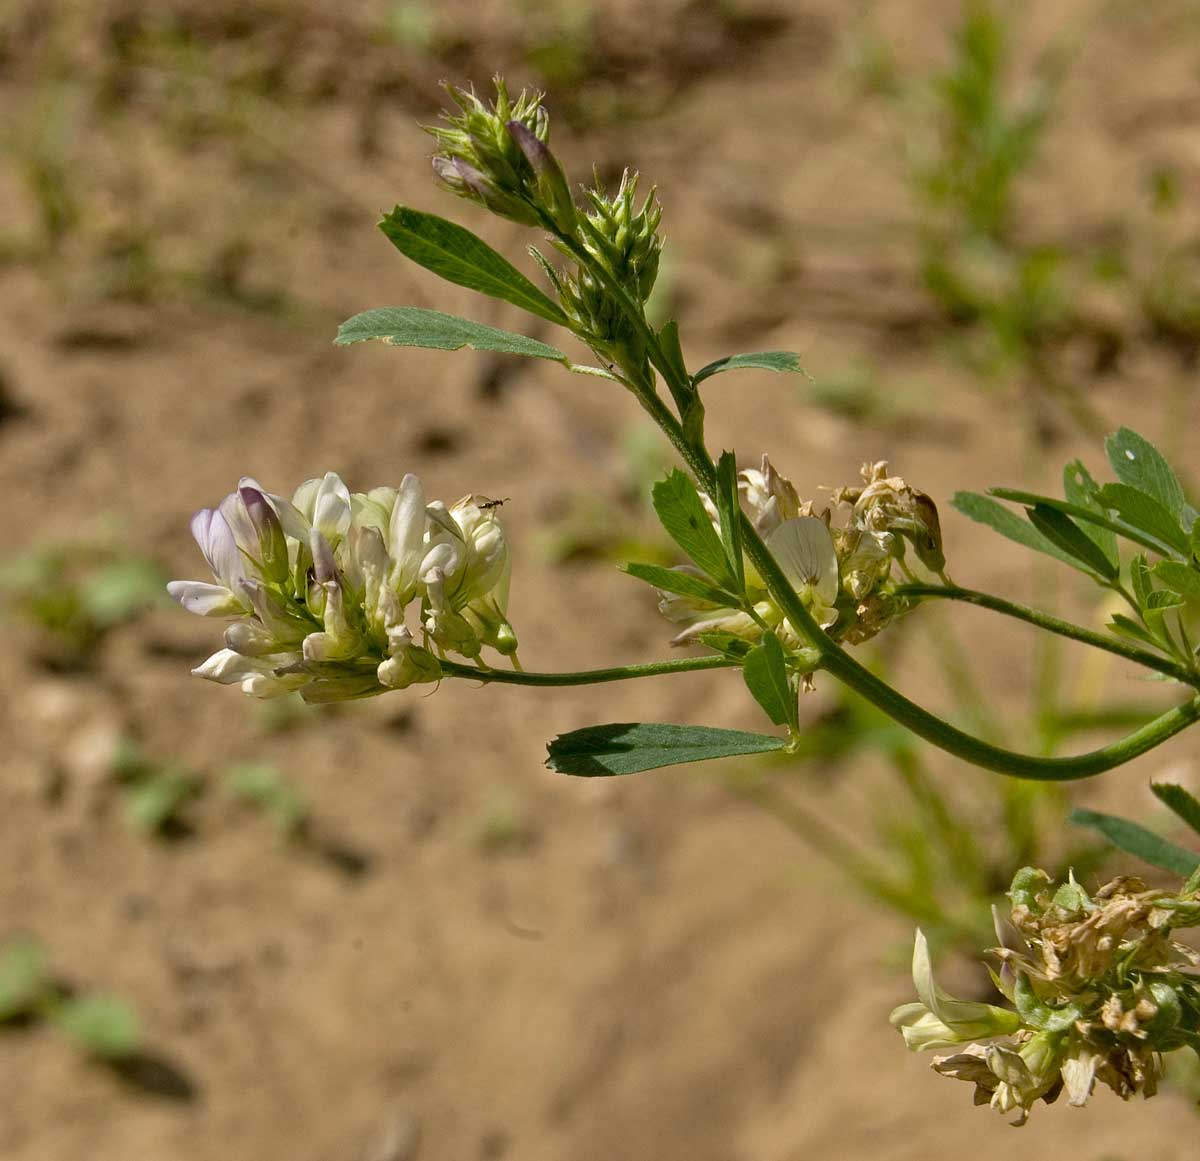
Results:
x,y
272,546
553,192
499,156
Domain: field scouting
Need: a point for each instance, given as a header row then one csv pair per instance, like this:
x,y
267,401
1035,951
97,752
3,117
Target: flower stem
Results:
x,y
833,658
840,665
1052,624
585,676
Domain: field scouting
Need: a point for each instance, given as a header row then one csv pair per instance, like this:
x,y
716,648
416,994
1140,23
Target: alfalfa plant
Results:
x,y
341,595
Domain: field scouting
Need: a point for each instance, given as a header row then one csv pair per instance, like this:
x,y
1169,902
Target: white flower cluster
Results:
x,y
320,588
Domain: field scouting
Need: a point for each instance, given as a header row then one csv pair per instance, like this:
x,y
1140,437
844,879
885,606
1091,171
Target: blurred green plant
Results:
x,y
973,138
264,788
156,792
937,858
861,393
76,594
1015,303
503,825
102,1026
412,24
1164,268
982,138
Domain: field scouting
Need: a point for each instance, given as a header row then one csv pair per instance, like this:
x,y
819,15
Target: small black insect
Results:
x,y
494,503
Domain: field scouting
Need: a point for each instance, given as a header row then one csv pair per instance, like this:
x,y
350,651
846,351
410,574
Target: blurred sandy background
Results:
x,y
477,958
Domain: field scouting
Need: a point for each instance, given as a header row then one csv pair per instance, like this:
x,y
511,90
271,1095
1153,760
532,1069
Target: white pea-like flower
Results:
x,y
328,592
937,1019
842,571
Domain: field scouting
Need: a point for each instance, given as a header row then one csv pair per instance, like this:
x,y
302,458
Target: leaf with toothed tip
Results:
x,y
630,747
459,256
412,326
785,361
1176,798
1138,841
684,518
1138,464
765,673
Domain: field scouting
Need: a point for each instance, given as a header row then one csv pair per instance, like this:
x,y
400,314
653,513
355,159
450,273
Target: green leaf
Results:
x,y
1138,841
1138,464
1081,489
735,648
1062,530
1125,626
730,510
411,326
786,361
1142,511
102,1025
1158,603
1176,798
629,747
686,522
1180,578
996,516
673,581
457,255
766,676
24,976
687,399
1086,515
263,786
1139,577
668,340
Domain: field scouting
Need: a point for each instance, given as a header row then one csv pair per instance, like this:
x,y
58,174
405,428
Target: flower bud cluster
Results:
x,y
499,156
320,589
842,573
622,241
1099,990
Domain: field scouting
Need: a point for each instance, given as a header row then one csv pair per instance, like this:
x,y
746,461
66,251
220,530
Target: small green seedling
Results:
x,y
103,1026
503,825
157,793
263,787
76,594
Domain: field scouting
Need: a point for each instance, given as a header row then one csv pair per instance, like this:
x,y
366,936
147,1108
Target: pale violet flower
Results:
x,y
328,592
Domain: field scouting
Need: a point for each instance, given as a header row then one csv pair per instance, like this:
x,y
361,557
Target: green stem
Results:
x,y
585,676
834,659
840,665
1130,652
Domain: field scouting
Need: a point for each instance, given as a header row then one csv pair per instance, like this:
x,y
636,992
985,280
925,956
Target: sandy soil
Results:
x,y
660,971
